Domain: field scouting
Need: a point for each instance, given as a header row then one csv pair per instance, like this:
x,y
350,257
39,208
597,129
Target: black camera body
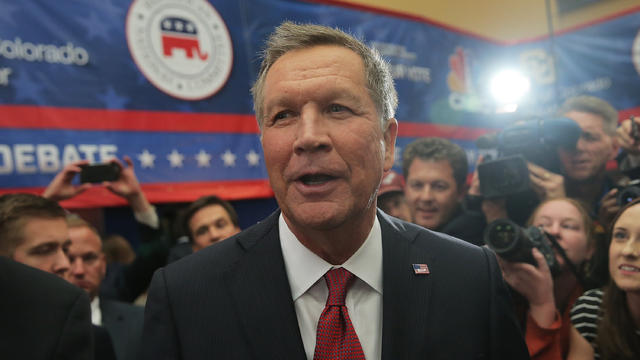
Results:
x,y
97,173
629,192
536,141
505,176
514,243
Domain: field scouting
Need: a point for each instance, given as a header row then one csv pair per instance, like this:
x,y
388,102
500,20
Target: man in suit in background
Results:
x,y
43,316
123,321
329,276
435,170
205,221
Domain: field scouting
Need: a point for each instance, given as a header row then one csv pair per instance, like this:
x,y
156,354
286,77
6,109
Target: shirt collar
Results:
x,y
96,313
304,268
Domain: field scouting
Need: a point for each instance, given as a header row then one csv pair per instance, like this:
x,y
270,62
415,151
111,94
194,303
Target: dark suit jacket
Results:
x,y
232,300
124,323
42,316
103,349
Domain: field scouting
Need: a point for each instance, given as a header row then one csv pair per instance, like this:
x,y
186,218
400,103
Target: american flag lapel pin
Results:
x,y
420,269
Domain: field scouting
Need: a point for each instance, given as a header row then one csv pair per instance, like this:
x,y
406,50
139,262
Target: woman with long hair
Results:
x,y
606,322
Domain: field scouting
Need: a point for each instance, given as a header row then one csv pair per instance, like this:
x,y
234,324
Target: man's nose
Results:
x,y
426,193
60,263
214,234
77,267
580,145
312,131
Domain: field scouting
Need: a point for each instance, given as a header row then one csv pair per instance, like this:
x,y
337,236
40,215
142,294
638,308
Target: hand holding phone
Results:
x,y
97,173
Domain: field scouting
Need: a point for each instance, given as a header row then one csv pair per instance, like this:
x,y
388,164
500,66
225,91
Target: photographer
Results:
x,y
545,298
586,177
122,282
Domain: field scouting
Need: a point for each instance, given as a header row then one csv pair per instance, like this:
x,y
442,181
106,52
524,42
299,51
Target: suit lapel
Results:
x,y
405,302
110,316
261,291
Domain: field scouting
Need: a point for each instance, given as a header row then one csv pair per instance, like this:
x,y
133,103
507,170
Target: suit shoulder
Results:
x,y
420,236
108,304
48,287
220,256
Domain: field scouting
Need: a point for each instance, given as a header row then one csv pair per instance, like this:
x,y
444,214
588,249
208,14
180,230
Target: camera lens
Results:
x,y
628,195
502,235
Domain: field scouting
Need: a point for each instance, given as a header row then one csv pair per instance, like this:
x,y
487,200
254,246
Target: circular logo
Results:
x,y
635,52
182,47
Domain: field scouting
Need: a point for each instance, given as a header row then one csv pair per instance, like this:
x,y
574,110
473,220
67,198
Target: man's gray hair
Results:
x,y
596,106
290,36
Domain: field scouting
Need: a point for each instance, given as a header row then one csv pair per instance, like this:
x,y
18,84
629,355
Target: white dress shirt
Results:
x,y
96,314
305,271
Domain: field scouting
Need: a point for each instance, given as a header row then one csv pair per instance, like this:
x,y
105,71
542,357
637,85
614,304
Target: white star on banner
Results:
x,y
146,159
175,158
228,158
253,158
203,159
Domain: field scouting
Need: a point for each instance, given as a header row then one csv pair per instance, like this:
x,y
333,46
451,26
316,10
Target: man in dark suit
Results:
x,y
123,321
328,276
43,316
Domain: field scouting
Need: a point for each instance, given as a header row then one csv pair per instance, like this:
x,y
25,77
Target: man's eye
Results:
x,y
202,230
45,249
281,115
440,187
89,258
337,108
221,224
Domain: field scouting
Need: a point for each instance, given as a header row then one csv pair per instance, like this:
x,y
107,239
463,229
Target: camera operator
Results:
x,y
586,177
546,298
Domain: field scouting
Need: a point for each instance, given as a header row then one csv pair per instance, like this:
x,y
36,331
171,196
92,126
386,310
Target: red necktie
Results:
x,y
336,338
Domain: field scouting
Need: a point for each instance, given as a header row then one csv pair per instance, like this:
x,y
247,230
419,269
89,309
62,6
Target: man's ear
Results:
x,y
462,191
390,134
615,147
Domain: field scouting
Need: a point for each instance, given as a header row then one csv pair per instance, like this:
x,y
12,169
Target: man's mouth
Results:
x,y
580,162
429,212
315,179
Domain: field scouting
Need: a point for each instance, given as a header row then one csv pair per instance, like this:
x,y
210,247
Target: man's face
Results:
x,y
210,225
45,243
88,264
432,192
324,147
593,150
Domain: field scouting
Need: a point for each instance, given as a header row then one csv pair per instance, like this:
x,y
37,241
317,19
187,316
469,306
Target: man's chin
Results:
x,y
429,223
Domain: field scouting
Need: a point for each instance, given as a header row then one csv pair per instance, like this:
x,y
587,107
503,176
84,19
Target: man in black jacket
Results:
x,y
33,231
435,170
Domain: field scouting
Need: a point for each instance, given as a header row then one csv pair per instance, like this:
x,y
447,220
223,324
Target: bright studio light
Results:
x,y
509,86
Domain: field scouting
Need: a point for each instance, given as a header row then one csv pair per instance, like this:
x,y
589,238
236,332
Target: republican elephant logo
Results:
x,y
180,33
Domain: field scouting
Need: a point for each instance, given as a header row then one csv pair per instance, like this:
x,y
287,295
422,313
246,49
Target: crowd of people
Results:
x,y
329,274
